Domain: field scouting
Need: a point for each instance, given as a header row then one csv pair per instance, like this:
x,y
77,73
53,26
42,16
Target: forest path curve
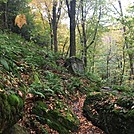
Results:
x,y
85,127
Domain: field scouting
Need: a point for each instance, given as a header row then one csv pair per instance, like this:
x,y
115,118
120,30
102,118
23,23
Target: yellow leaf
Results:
x,y
20,20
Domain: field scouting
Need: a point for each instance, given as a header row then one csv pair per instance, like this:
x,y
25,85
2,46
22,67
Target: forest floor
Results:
x,y
75,103
40,76
85,127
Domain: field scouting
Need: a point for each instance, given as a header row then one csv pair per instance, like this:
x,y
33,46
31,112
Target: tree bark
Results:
x,y
84,35
54,23
72,29
82,32
71,12
131,58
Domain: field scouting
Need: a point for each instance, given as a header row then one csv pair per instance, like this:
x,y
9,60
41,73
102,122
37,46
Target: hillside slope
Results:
x,y
34,80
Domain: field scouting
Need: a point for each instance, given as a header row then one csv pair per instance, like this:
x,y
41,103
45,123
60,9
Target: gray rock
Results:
x,y
74,65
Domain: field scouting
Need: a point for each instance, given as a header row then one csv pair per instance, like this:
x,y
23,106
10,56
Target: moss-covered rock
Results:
x,y
64,123
17,129
113,114
11,107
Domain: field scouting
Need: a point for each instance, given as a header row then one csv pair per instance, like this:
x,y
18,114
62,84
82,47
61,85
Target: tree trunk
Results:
x,y
72,28
54,23
71,13
131,58
130,55
123,65
84,55
51,35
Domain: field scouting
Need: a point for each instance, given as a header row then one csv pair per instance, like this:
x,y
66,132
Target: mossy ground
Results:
x,y
113,114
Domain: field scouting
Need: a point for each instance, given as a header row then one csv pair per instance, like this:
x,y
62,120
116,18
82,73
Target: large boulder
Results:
x,y
113,114
64,123
11,107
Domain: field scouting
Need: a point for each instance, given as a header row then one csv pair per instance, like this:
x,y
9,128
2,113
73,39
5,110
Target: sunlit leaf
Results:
x,y
20,20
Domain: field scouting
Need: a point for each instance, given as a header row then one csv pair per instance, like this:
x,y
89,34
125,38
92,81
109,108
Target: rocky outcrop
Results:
x,y
113,114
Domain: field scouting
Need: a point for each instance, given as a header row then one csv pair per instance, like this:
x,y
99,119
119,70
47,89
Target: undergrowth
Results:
x,y
27,70
30,72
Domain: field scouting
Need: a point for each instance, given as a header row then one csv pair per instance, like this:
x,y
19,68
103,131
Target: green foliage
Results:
x,y
74,84
4,1
28,1
41,38
92,77
13,100
121,88
53,82
5,64
95,83
48,85
43,84
13,42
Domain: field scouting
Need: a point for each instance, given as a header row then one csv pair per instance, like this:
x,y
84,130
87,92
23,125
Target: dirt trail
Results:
x,y
86,127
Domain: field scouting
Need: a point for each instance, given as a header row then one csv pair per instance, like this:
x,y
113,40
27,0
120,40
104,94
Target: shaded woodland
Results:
x,y
66,66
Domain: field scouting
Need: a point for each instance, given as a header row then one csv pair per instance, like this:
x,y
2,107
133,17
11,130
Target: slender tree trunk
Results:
x,y
55,39
107,73
130,55
51,35
123,65
108,61
131,59
54,23
124,45
65,43
84,35
49,17
93,61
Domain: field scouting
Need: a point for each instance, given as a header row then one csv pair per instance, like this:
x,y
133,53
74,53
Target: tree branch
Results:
x,y
68,7
59,11
48,12
96,29
116,9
